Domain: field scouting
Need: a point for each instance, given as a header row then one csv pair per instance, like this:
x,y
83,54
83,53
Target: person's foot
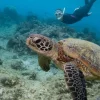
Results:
x,y
89,13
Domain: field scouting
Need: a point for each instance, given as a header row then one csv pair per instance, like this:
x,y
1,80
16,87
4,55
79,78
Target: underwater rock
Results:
x,y
12,43
60,88
1,62
17,94
18,44
30,23
32,76
18,65
88,35
9,81
25,73
86,30
23,27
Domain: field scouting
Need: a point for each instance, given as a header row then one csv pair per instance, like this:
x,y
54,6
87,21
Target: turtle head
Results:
x,y
40,44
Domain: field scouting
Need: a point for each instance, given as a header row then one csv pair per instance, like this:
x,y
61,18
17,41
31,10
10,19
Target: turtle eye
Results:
x,y
37,41
30,37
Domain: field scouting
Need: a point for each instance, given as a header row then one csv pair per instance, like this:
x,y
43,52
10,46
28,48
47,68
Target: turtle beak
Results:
x,y
28,42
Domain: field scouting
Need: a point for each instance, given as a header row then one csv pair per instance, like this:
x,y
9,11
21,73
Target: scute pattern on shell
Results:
x,y
86,50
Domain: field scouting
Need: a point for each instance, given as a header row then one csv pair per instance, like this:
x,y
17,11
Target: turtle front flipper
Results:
x,y
75,81
44,62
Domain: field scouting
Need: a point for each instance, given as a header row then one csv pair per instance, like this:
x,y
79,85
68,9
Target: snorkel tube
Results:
x,y
64,10
60,18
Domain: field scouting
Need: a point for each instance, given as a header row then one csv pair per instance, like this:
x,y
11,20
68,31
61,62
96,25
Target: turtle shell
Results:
x,y
84,51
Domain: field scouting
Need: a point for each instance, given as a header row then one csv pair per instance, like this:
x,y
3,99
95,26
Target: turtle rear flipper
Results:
x,y
75,81
44,62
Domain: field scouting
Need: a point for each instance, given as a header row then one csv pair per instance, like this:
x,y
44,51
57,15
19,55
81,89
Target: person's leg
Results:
x,y
86,2
92,1
84,11
90,4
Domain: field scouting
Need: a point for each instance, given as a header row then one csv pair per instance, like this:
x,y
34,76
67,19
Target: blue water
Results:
x,y
46,9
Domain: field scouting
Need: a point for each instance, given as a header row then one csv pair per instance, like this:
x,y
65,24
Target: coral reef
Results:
x,y
30,23
9,82
88,35
9,16
16,43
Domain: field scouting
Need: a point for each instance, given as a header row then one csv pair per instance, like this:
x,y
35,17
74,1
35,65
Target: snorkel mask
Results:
x,y
59,13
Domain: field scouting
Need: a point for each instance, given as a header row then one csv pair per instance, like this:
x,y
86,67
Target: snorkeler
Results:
x,y
77,15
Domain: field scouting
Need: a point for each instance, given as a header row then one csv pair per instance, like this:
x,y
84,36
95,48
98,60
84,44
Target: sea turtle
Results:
x,y
77,58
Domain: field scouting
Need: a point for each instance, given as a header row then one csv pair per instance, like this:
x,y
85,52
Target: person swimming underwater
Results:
x,y
77,15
